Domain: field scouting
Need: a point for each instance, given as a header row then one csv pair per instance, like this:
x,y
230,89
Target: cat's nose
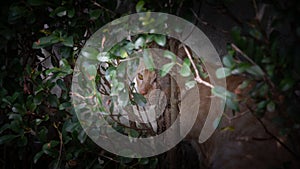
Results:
x,y
143,92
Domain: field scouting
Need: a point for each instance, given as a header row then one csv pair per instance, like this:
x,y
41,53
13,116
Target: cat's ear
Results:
x,y
153,81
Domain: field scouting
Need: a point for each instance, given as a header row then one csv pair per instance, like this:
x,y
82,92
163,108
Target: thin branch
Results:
x,y
232,16
237,49
197,78
107,10
255,8
236,116
207,24
61,145
272,135
179,8
234,47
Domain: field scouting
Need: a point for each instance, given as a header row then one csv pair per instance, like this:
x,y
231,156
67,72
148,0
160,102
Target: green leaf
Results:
x,y
270,69
255,33
92,70
46,41
36,2
165,69
153,163
37,156
256,71
30,18
15,13
71,13
148,60
271,106
68,41
66,52
14,116
222,92
82,136
90,53
139,99
170,55
61,84
140,42
22,141
59,11
53,101
139,6
241,68
190,84
262,105
120,86
129,46
4,127
133,133
223,72
65,105
228,128
18,108
123,53
286,84
263,90
125,160
228,61
103,57
231,103
185,69
235,34
70,126
48,148
160,40
121,70
94,14
143,161
53,143
7,138
123,98
42,134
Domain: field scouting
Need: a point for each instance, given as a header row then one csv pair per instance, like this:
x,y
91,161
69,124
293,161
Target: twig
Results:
x,y
207,24
107,10
109,158
197,78
237,49
61,145
255,8
236,116
234,47
272,135
179,8
232,16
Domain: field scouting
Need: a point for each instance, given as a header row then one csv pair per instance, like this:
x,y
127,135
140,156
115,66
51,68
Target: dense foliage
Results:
x,y
40,42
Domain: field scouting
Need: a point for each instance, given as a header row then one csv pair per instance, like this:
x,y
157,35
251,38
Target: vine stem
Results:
x,y
197,78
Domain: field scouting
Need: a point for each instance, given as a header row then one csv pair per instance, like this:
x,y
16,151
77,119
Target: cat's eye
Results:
x,y
140,76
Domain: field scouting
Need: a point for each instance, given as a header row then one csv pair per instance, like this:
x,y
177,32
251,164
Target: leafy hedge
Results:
x,y
39,128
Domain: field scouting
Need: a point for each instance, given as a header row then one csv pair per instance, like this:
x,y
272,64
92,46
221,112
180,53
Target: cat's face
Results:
x,y
146,81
